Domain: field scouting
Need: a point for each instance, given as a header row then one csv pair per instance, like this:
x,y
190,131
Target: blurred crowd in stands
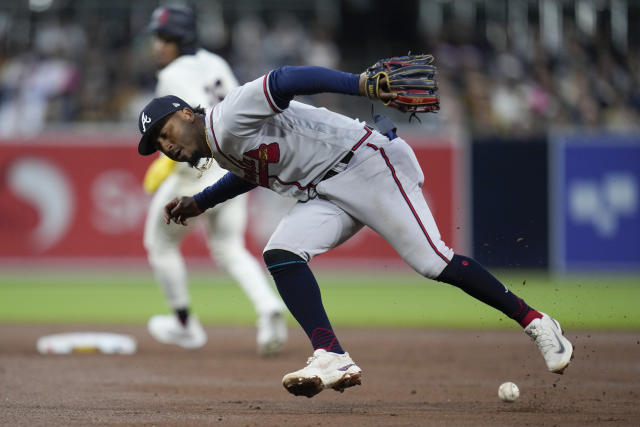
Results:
x,y
100,71
502,91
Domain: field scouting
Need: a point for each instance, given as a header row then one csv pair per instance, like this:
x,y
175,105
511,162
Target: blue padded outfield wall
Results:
x,y
594,189
510,202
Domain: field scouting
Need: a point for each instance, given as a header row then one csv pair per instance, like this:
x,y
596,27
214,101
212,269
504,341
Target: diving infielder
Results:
x,y
201,78
345,175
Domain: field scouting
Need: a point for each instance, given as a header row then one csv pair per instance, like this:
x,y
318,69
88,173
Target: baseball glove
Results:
x,y
411,77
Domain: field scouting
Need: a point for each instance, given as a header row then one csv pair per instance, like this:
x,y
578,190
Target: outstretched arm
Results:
x,y
227,187
245,108
289,81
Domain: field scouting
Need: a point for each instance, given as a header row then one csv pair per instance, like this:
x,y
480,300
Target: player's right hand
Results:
x,y
180,209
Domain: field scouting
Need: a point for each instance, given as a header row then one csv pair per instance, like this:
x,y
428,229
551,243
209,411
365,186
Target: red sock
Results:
x,y
532,314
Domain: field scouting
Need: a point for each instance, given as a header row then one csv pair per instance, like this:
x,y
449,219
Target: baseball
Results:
x,y
508,392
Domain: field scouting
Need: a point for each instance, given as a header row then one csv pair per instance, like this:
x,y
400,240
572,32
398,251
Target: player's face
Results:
x,y
164,50
182,138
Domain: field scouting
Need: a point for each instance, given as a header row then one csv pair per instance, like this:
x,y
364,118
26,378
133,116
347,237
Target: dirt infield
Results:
x,y
411,378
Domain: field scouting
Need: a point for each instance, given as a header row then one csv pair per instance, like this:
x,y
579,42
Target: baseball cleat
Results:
x,y
167,329
272,333
556,350
324,370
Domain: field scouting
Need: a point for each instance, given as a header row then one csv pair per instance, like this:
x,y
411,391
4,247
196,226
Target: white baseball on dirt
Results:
x,y
508,392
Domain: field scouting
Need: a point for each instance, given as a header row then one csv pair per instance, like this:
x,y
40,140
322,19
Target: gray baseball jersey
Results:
x,y
287,151
290,151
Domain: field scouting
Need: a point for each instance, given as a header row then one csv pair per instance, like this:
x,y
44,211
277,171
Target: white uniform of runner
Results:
x,y
290,151
203,79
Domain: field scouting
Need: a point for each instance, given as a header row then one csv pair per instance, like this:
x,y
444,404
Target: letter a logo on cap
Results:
x,y
144,119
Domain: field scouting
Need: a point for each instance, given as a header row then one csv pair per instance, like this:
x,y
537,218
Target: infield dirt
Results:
x,y
410,378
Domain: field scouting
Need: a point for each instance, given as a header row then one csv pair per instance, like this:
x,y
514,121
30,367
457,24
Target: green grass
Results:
x,y
377,299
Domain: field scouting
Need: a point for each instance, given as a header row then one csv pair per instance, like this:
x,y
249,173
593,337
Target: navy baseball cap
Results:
x,y
151,115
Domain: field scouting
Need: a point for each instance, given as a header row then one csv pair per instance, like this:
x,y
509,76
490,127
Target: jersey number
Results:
x,y
216,92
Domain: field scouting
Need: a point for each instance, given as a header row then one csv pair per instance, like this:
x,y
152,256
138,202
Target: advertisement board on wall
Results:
x,y
81,200
595,202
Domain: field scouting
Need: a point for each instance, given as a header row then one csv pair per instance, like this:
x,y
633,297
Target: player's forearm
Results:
x,y
287,82
227,187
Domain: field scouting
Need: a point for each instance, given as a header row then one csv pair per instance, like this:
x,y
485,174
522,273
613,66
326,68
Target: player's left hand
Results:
x,y
180,209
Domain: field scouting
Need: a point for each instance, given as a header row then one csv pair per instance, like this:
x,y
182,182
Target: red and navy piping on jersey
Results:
x,y
215,141
368,132
408,201
367,129
267,94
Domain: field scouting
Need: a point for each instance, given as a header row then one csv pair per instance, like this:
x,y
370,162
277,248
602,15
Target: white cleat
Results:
x,y
555,348
324,370
272,333
167,329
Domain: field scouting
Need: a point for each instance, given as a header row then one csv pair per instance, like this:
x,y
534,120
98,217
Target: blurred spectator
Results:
x,y
321,49
29,84
285,42
248,56
78,65
37,86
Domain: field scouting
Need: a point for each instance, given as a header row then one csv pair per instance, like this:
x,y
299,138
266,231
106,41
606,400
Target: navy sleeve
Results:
x,y
227,187
286,82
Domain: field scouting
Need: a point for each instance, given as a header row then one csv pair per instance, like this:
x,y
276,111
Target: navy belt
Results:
x,y
339,167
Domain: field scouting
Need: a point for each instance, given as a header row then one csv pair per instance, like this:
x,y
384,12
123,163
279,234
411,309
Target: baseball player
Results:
x,y
345,175
201,78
